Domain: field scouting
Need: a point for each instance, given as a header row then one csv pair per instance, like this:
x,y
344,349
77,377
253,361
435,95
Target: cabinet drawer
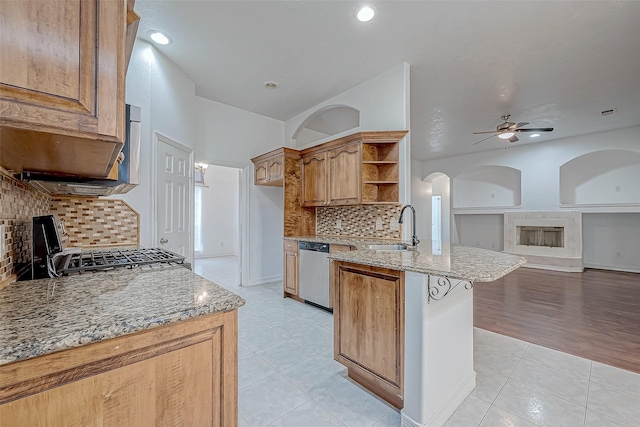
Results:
x,y
291,245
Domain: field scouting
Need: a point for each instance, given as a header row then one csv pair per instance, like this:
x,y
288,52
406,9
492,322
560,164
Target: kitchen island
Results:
x,y
126,347
403,323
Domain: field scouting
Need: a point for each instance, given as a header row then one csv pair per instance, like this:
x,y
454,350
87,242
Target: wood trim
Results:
x,y
290,152
369,137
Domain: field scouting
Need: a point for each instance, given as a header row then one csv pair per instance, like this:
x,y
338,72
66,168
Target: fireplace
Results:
x,y
548,240
552,237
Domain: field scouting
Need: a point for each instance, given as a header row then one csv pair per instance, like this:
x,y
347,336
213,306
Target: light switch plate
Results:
x,y
394,225
378,224
339,224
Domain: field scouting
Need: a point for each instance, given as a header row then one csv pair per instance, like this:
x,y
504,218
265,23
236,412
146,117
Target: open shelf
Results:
x,y
380,173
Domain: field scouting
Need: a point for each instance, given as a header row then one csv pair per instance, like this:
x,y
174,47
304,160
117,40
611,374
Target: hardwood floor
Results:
x,y
595,314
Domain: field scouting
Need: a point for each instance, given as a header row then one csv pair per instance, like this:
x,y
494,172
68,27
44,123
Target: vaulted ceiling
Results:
x,y
553,64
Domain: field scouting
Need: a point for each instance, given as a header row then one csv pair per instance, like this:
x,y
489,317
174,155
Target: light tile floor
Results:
x,y
222,270
288,378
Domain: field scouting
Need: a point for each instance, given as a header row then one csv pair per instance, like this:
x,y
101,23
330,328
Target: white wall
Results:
x,y
487,186
441,185
611,241
220,212
383,102
229,136
421,201
167,98
540,189
481,231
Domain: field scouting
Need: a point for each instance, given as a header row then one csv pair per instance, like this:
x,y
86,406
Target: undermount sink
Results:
x,y
381,248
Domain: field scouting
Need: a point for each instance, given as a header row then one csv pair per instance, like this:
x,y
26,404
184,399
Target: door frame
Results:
x,y
157,137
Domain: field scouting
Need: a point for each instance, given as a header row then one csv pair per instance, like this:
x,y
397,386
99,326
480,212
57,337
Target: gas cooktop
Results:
x,y
105,260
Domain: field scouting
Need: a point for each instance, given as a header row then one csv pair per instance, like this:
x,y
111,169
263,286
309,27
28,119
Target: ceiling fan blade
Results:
x,y
513,139
534,130
483,139
486,131
520,124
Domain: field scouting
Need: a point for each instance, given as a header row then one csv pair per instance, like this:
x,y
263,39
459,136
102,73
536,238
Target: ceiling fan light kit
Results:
x,y
507,130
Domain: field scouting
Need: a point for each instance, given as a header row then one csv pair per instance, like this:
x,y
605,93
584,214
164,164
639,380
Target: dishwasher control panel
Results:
x,y
314,246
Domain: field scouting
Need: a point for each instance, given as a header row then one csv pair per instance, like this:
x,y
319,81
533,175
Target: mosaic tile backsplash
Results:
x,y
358,221
18,204
96,222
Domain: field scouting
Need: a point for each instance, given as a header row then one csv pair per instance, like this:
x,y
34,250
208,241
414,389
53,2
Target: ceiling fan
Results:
x,y
507,130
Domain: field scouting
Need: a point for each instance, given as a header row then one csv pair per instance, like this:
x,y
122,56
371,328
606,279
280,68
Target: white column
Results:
x,y
438,358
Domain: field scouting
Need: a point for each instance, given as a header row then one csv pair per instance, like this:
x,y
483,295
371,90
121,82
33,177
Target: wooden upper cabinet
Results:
x,y
314,179
260,175
269,167
344,175
62,73
275,169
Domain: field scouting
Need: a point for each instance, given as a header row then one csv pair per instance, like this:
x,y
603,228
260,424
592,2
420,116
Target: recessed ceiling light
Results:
x,y
534,135
365,14
159,37
270,85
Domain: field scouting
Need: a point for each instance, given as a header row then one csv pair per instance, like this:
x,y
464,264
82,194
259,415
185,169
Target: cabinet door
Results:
x,y
274,169
53,76
180,387
314,180
291,272
344,175
260,176
369,327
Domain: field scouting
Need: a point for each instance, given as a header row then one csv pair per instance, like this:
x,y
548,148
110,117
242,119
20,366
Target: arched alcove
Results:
x,y
490,186
326,122
440,201
607,177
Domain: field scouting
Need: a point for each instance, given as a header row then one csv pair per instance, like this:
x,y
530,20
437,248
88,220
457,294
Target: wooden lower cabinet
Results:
x,y
178,375
291,268
369,327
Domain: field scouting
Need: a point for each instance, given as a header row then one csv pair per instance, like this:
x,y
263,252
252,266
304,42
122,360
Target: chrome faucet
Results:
x,y
414,238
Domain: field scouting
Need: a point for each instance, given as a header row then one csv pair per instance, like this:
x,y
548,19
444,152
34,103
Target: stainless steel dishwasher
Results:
x,y
314,273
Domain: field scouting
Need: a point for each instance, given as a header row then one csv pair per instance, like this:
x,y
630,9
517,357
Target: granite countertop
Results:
x,y
436,258
43,316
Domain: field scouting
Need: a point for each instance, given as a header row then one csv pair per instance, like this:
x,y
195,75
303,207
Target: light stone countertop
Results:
x,y
38,317
435,258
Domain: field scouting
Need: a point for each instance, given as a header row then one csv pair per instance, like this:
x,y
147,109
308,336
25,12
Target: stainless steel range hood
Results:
x,y
128,169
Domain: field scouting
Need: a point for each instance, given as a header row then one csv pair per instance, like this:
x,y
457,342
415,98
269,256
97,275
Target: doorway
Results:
x,y
217,225
173,207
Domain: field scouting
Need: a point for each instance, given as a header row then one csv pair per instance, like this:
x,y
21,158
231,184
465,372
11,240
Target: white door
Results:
x,y
173,201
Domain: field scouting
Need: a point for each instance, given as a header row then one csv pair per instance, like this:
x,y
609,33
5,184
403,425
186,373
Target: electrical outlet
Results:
x,y
619,254
617,188
394,225
339,224
221,244
493,195
378,224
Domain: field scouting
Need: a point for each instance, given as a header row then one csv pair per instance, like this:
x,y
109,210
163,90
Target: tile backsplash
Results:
x,y
18,204
96,222
358,221
88,221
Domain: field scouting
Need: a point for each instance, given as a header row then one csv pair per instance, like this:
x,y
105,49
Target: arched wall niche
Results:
x,y
606,177
326,122
490,186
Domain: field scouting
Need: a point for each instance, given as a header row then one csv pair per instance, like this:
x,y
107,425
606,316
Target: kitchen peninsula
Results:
x,y
144,346
403,320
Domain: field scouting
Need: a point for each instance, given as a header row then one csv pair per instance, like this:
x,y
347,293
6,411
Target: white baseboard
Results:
x,y
452,403
554,268
265,280
613,267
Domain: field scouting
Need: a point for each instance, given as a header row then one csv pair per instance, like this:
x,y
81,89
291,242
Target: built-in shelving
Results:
x,y
380,172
